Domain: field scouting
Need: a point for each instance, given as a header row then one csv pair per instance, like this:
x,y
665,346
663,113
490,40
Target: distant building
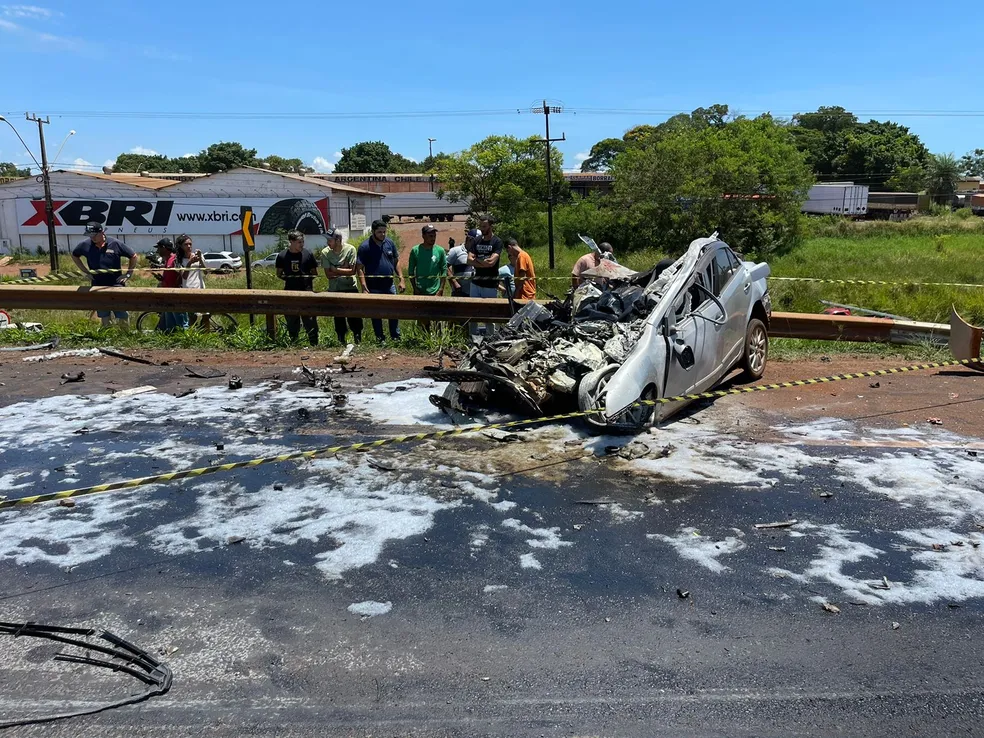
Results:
x,y
139,210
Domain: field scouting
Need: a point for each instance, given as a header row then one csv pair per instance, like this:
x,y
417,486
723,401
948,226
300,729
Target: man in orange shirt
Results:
x,y
523,271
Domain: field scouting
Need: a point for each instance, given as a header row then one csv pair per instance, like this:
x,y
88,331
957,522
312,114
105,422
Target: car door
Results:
x,y
685,337
731,285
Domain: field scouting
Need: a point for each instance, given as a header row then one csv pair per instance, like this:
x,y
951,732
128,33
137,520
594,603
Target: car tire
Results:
x,y
755,354
225,269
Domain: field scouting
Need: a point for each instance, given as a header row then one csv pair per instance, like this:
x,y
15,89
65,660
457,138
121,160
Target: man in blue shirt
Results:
x,y
102,253
378,261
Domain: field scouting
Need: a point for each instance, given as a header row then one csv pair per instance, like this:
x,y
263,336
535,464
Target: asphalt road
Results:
x,y
558,585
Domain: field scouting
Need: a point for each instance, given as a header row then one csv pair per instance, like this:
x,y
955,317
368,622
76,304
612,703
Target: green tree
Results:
x,y
369,157
602,155
153,163
226,155
503,175
743,178
430,162
402,165
908,179
7,169
972,163
280,164
942,175
838,147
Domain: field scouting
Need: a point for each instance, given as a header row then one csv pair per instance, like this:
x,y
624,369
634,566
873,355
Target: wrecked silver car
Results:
x,y
676,329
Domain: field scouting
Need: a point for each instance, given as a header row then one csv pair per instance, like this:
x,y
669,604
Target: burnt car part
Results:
x,y
965,339
123,657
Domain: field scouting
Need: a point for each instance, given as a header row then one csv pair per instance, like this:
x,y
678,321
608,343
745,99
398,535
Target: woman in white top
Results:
x,y
194,277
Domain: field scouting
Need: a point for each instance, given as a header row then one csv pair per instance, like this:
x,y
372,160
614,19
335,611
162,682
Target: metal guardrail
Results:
x,y
410,307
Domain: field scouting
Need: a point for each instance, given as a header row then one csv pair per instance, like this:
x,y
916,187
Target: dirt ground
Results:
x,y
951,396
410,235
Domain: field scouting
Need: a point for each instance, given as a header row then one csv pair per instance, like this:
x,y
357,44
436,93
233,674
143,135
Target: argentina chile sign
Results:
x,y
195,216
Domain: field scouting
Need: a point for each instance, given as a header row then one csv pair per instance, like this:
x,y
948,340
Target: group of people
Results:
x,y
481,267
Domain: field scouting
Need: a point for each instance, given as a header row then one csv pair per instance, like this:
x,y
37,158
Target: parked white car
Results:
x,y
679,328
222,261
267,262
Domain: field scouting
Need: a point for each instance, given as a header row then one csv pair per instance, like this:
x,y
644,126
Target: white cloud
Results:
x,y
188,156
143,151
582,155
80,164
337,154
29,11
321,164
65,44
109,163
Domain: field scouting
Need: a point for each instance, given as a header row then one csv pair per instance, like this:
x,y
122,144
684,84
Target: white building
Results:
x,y
140,210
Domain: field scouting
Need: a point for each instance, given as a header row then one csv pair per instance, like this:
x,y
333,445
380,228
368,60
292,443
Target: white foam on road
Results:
x,y
370,608
951,574
402,403
690,544
529,561
62,355
548,538
344,509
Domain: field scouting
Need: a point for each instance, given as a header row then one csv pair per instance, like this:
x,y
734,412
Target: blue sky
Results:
x,y
398,56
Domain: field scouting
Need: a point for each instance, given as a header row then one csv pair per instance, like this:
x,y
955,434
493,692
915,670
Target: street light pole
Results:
x,y
49,209
547,110
430,151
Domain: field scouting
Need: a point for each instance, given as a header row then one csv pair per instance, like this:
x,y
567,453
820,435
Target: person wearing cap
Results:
x,y
103,265
484,256
589,261
338,260
460,271
428,264
378,262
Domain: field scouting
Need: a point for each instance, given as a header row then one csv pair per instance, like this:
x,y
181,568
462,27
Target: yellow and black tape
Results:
x,y
876,282
433,435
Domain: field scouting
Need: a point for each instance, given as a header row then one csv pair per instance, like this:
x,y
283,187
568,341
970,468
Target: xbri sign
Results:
x,y
195,216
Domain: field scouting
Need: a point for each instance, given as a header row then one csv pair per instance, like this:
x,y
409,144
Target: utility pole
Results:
x,y
546,110
49,208
430,151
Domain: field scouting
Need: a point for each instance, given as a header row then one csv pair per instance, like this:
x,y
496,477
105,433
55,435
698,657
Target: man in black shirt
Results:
x,y
483,254
298,268
102,253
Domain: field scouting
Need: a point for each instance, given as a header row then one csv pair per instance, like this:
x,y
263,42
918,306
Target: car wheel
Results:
x,y
756,352
224,269
591,395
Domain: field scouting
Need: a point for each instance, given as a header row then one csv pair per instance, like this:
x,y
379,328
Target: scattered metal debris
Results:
x,y
135,391
126,357
68,378
204,372
896,626
780,524
599,501
235,382
831,608
36,347
934,421
780,549
683,593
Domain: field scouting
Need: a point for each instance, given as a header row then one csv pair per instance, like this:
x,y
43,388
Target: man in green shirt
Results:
x,y
338,261
428,264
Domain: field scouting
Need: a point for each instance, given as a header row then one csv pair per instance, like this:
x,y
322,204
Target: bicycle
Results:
x,y
149,322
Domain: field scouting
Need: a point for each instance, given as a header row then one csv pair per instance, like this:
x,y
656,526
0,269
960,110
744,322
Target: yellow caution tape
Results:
x,y
430,435
875,282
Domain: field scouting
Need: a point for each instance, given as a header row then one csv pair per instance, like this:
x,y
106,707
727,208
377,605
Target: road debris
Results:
x,y
134,391
204,372
683,593
598,501
68,378
934,421
235,382
125,357
883,584
780,549
896,625
80,353
343,358
826,495
831,608
500,435
780,524
66,503
875,385
381,465
233,540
